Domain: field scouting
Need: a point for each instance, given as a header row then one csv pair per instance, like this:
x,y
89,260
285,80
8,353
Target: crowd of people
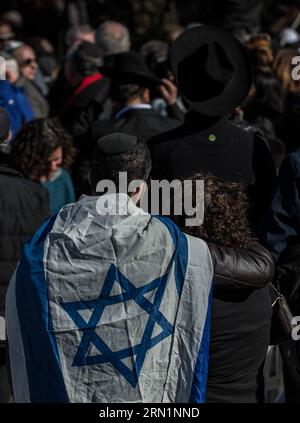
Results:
x,y
103,306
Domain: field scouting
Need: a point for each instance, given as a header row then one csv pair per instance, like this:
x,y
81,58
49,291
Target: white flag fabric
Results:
x,y
110,308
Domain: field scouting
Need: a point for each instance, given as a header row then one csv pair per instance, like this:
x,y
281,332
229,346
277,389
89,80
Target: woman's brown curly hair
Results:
x,y
36,142
226,213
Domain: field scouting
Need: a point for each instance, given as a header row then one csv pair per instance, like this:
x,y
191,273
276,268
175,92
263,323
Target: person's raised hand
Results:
x,y
168,91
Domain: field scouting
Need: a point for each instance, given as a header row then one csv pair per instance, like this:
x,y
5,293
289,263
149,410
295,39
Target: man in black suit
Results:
x,y
130,93
214,76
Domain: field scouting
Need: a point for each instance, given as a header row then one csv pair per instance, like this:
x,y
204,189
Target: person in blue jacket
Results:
x,y
13,99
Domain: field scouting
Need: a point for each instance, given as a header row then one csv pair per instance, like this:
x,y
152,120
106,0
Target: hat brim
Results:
x,y
240,84
139,78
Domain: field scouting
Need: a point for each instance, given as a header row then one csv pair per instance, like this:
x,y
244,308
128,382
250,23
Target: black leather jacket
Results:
x,y
237,268
240,323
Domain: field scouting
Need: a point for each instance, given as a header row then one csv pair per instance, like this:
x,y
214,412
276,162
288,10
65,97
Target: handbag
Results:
x,y
282,324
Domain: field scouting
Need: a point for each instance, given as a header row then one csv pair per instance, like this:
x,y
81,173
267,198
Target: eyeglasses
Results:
x,y
28,62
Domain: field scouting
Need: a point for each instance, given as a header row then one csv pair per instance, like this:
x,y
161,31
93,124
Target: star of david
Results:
x,y
129,292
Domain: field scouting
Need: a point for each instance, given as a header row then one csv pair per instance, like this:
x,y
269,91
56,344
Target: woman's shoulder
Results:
x,y
248,267
64,175
60,176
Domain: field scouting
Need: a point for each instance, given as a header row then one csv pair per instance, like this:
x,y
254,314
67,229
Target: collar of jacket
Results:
x,y
197,121
7,168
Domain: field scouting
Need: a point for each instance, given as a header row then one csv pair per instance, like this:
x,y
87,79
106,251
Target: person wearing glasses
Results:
x,y
27,62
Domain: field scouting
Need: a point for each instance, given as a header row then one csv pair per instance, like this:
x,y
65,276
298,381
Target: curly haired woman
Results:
x,y
43,151
241,310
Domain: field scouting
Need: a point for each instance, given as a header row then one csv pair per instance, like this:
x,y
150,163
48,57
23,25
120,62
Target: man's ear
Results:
x,y
139,192
89,177
146,96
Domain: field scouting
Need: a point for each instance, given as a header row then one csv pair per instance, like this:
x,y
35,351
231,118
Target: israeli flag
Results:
x,y
110,308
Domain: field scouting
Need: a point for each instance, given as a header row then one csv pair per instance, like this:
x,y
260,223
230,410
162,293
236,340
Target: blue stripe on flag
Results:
x,y
44,373
198,393
181,251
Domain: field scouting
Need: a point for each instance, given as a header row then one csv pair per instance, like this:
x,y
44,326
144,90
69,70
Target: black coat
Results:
x,y
144,123
24,206
85,108
240,323
217,147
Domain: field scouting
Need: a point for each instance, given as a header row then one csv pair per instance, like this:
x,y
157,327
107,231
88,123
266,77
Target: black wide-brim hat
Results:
x,y
130,68
212,70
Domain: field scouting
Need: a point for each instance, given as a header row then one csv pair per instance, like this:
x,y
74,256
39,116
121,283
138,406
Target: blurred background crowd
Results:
x,y
52,47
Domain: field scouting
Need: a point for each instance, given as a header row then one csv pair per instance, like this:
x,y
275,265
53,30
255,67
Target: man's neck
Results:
x,y
134,102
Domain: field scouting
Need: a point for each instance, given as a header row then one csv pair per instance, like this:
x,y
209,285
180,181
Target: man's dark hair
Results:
x,y
136,162
122,93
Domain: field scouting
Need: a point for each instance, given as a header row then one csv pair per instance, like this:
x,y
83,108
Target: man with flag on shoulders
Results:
x,y
110,307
